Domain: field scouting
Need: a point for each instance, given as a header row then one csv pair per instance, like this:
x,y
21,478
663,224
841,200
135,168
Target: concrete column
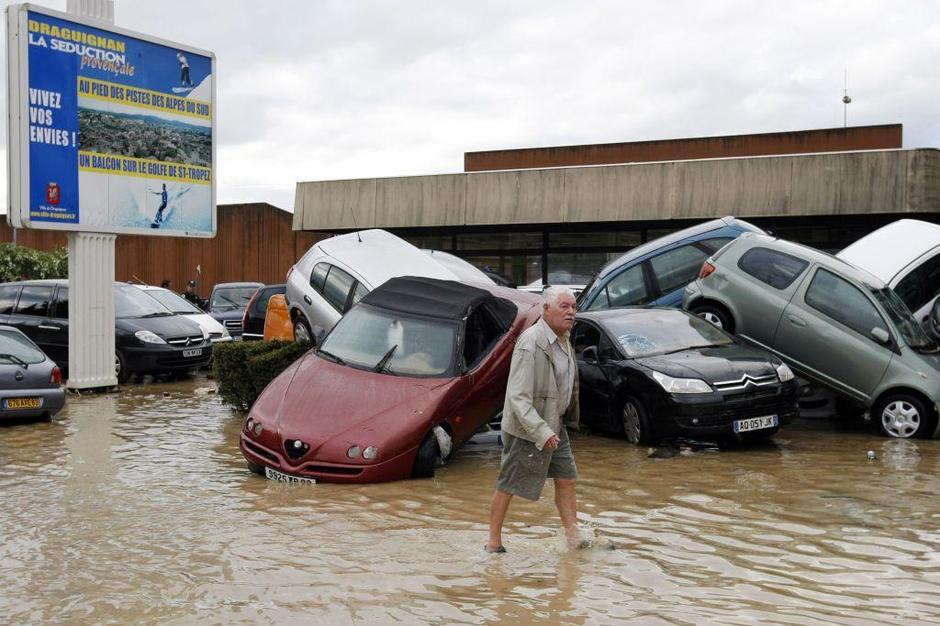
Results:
x,y
91,278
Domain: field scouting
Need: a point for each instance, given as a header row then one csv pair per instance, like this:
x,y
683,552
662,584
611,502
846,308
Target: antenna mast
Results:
x,y
845,99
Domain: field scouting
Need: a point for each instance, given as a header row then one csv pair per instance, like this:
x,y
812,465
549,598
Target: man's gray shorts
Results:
x,y
525,468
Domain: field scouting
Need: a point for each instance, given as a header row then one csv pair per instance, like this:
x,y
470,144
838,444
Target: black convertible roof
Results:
x,y
433,297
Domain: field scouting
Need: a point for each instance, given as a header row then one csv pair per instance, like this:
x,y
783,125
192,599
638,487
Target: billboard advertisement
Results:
x,y
110,130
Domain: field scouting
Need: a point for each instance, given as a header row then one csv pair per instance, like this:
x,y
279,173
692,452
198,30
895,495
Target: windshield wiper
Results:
x,y
15,359
710,345
380,366
331,356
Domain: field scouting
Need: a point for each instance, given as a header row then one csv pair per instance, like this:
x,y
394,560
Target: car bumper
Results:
x,y
397,468
714,415
165,358
53,400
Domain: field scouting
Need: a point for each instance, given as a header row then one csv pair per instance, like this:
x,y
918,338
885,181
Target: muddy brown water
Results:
x,y
136,507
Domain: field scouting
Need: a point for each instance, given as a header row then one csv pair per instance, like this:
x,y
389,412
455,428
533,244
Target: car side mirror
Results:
x,y
933,321
880,335
589,354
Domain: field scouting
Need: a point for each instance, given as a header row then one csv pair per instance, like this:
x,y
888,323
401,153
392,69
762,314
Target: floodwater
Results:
x,y
135,507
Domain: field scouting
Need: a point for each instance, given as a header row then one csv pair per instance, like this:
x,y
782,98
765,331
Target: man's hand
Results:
x,y
552,443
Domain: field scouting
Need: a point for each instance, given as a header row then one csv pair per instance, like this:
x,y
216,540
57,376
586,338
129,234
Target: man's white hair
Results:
x,y
551,294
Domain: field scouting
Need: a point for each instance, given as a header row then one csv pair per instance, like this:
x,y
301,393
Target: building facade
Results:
x,y
556,215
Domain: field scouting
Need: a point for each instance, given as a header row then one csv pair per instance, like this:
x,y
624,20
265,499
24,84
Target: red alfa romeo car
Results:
x,y
414,354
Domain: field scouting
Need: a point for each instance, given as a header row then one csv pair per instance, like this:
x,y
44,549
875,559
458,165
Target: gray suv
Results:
x,y
830,321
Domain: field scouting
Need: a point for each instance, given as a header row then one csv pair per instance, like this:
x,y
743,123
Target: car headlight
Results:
x,y
353,452
681,385
205,333
148,337
784,373
370,453
225,332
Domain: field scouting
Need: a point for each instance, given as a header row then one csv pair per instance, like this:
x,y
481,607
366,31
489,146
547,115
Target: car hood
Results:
x,y
317,401
167,326
221,316
718,364
206,321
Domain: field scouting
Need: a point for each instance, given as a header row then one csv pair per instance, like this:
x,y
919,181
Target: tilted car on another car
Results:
x,y
337,272
832,322
658,373
418,363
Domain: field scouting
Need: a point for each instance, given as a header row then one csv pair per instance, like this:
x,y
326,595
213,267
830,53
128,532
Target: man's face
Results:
x,y
560,316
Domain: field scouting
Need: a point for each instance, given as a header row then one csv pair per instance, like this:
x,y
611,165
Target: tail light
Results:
x,y
56,377
707,269
250,304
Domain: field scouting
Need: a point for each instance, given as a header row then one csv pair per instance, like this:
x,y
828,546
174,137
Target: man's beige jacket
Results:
x,y
531,408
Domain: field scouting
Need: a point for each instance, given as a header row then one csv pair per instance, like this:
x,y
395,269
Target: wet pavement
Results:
x,y
136,507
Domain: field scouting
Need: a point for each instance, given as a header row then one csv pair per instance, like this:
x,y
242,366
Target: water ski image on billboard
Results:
x,y
120,135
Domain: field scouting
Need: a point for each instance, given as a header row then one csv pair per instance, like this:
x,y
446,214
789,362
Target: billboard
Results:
x,y
109,130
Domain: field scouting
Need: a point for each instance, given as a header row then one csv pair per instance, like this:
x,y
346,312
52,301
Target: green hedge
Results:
x,y
22,263
244,368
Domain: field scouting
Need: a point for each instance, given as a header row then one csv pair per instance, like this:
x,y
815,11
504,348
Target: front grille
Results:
x,y
233,324
746,383
725,415
185,340
260,451
329,469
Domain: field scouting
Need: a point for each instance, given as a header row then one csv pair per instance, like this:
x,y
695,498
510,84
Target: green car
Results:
x,y
830,321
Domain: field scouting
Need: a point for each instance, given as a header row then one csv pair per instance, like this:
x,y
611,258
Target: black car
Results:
x,y
657,373
148,338
253,319
227,304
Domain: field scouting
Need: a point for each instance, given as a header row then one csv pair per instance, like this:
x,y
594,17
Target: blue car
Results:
x,y
657,272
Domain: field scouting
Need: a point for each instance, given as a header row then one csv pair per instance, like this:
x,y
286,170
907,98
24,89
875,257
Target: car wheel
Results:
x,y
255,468
429,453
715,314
302,331
903,416
120,368
636,425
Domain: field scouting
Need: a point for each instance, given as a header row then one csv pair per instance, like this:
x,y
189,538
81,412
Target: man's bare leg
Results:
x,y
566,500
498,508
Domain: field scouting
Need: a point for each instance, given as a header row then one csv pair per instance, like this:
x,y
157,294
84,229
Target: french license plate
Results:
x,y
273,474
22,403
193,352
756,423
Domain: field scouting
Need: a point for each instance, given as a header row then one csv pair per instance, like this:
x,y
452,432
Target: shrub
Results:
x,y
22,263
244,368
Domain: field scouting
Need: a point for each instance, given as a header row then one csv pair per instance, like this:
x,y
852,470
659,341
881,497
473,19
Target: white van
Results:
x,y
337,272
906,255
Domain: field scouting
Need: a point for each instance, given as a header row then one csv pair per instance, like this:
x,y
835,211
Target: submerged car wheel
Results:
x,y
429,453
255,468
903,416
717,315
302,331
635,423
120,368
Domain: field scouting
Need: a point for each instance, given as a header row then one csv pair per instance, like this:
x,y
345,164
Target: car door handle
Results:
x,y
307,299
44,327
796,321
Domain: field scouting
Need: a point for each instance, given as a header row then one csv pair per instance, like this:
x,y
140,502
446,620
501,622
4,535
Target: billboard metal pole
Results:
x,y
92,355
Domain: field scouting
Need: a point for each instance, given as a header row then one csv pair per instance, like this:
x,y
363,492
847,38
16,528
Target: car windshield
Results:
x,y
902,319
372,338
231,298
16,348
130,301
172,301
661,332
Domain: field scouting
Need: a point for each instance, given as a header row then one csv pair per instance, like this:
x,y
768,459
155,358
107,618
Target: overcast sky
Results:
x,y
323,90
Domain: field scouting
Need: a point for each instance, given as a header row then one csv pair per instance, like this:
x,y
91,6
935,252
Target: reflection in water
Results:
x,y
137,507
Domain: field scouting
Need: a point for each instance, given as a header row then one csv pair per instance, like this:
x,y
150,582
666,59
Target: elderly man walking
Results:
x,y
541,400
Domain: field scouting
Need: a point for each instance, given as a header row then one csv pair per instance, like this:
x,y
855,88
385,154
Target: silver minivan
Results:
x,y
337,272
830,321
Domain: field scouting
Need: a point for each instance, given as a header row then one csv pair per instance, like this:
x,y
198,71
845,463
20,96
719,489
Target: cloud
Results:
x,y
331,90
